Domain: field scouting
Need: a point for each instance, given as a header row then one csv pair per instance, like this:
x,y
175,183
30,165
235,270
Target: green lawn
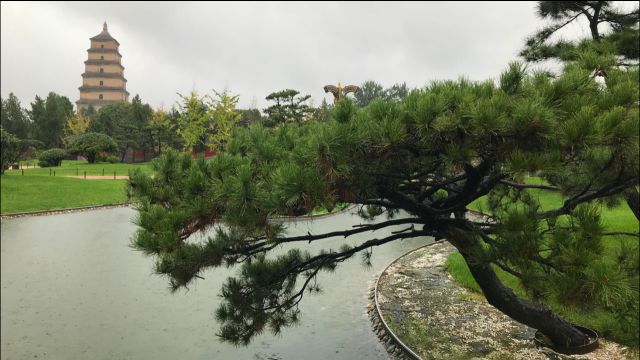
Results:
x,y
619,218
37,190
73,167
32,193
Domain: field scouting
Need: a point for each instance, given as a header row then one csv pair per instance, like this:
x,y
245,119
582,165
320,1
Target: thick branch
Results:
x,y
571,204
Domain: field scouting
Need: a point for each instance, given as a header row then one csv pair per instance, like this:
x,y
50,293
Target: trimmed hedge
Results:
x,y
51,157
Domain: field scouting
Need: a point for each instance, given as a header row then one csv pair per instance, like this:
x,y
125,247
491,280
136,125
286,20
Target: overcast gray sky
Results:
x,y
253,49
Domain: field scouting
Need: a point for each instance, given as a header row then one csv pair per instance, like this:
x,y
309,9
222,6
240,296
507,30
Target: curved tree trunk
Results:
x,y
633,200
537,316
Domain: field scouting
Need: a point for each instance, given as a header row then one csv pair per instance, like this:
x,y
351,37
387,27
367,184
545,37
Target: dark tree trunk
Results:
x,y
91,157
594,21
633,200
537,316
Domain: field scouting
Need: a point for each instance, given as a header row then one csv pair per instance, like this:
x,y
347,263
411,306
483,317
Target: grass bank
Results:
x,y
619,218
37,190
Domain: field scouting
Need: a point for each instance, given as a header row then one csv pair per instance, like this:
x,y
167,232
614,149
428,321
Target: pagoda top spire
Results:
x,y
104,35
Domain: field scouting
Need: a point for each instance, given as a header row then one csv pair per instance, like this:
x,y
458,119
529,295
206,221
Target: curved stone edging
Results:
x,y
110,206
61,211
381,328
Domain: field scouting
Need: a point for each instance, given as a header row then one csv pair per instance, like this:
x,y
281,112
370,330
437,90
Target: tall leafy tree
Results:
x,y
163,131
225,117
195,124
615,28
14,118
414,166
76,125
288,108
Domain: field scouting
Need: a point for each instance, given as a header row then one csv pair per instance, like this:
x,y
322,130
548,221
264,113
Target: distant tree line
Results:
x,y
195,123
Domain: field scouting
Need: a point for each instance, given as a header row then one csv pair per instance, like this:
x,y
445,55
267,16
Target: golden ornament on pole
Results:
x,y
339,91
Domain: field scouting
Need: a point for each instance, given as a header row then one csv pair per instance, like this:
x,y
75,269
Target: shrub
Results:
x,y
51,157
90,145
111,159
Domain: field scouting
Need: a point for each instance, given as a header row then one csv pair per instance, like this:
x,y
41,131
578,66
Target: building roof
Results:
x,y
93,74
98,102
104,35
103,89
103,62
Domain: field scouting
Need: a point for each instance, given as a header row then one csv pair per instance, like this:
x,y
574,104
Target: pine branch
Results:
x,y
508,269
614,233
570,204
358,229
528,186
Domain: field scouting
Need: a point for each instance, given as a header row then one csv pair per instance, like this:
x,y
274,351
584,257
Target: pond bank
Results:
x,y
438,319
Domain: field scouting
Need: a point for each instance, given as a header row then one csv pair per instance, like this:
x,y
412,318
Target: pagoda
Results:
x,y
103,79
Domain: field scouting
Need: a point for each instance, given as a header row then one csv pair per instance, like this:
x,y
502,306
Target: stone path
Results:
x,y
438,319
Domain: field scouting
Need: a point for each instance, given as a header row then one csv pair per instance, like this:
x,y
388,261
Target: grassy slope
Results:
x,y
36,190
619,218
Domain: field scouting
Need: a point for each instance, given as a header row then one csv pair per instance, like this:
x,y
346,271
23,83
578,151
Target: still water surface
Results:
x,y
72,288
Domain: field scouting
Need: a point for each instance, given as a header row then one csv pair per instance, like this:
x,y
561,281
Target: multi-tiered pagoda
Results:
x,y
103,79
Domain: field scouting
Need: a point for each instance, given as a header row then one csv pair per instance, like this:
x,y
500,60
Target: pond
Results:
x,y
72,288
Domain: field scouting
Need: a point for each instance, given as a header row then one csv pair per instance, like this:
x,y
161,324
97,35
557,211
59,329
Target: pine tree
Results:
x,y
614,29
288,108
430,155
14,118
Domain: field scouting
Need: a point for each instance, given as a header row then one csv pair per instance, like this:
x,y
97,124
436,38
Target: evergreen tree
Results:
x,y
126,123
397,92
14,118
367,92
371,90
431,156
137,126
9,149
249,116
288,108
114,120
49,118
621,38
